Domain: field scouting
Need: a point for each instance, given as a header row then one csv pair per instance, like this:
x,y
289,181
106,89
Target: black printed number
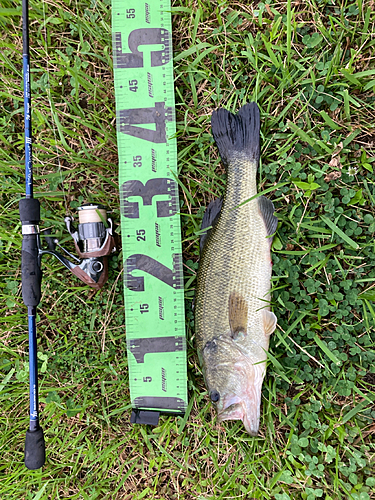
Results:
x,y
147,379
137,161
136,40
158,115
141,235
143,308
171,277
130,13
153,187
133,85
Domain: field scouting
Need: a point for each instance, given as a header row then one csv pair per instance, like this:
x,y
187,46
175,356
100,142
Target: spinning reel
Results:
x,y
94,241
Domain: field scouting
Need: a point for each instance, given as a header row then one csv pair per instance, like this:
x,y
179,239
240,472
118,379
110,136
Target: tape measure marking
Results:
x,y
150,224
140,347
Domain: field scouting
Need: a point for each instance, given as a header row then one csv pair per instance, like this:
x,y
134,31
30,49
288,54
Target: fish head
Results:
x,y
234,382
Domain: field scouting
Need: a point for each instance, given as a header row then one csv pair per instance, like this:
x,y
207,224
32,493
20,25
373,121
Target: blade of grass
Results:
x,y
340,233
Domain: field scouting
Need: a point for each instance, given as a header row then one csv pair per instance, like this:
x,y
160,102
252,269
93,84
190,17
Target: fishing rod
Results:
x,y
94,241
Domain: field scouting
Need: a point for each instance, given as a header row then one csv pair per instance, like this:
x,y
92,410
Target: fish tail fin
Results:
x,y
237,133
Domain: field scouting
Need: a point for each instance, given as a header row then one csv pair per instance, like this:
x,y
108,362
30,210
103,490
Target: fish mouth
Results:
x,y
241,401
247,410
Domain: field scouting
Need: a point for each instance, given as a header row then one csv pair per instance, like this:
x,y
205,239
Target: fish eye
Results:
x,y
210,345
215,396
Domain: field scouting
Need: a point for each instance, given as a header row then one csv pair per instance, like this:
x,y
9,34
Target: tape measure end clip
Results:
x,y
145,417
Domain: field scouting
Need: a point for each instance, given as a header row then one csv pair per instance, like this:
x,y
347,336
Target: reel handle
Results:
x,y
31,272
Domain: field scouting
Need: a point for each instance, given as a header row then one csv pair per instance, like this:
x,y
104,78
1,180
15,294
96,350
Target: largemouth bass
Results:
x,y
233,320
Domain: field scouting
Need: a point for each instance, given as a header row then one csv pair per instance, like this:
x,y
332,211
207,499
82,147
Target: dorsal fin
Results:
x,y
266,210
210,218
237,315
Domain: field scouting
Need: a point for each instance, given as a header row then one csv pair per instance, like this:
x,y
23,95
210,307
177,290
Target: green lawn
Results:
x,y
311,67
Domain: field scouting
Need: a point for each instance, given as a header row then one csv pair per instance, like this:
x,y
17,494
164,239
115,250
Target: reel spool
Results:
x,y
91,227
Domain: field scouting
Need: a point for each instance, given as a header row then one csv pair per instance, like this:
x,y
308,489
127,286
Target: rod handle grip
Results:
x,y
35,450
31,271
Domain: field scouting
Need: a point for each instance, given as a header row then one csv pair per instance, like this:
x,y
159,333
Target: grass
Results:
x,y
310,66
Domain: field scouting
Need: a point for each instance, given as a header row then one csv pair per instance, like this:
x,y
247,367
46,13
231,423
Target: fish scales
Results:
x,y
234,255
232,316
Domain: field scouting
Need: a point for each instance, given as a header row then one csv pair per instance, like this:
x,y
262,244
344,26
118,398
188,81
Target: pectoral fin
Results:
x,y
237,315
269,322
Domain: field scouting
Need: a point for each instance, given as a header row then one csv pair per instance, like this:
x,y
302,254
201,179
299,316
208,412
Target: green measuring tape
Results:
x,y
150,222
